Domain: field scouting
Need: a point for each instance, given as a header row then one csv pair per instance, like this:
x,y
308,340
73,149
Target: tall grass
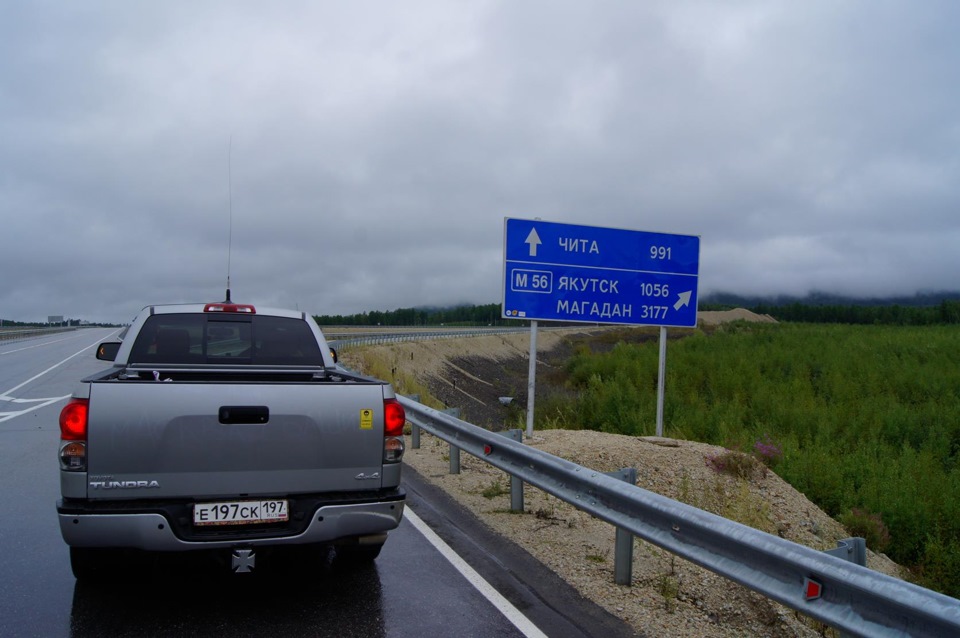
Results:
x,y
867,418
372,363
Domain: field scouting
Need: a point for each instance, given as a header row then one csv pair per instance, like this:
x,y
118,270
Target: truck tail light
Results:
x,y
73,420
73,435
394,419
392,449
73,456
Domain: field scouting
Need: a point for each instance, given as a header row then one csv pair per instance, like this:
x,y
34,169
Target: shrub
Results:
x,y
735,464
940,568
868,526
767,452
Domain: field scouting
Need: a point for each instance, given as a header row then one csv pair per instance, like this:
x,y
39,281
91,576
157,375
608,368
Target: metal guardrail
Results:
x,y
19,334
844,595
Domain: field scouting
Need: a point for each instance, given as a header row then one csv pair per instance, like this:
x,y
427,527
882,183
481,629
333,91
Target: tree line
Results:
x,y
487,314
946,312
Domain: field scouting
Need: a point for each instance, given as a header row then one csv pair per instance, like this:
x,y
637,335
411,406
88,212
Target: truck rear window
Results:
x,y
232,340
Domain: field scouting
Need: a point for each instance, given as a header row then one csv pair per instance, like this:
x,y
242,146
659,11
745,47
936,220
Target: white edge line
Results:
x,y
53,367
511,613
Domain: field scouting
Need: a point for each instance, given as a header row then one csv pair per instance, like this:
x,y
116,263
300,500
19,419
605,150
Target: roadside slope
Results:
x,y
668,596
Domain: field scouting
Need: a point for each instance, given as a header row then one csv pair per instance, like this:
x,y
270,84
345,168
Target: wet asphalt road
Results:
x,y
411,590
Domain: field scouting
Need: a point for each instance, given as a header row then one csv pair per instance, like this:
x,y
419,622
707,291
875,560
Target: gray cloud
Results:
x,y
376,148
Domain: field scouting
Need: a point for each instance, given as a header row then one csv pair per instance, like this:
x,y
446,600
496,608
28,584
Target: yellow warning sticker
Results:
x,y
366,419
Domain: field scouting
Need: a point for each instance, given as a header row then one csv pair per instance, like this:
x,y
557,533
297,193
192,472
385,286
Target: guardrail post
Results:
x,y
454,459
414,428
415,436
454,450
516,484
853,550
623,547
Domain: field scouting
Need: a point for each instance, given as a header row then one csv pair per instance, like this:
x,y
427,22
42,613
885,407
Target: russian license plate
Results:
x,y
240,512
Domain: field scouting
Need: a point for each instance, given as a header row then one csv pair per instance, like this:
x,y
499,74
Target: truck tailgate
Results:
x,y
180,439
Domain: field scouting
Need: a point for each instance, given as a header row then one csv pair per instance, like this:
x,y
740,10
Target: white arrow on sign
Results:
x,y
683,301
534,240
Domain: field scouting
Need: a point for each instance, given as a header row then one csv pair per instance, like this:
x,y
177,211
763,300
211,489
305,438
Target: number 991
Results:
x,y
659,252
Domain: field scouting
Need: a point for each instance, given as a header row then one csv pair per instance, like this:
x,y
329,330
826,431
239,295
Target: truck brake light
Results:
x,y
230,307
73,420
394,418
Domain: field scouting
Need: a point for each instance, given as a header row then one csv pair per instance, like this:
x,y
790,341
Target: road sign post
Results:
x,y
593,274
532,377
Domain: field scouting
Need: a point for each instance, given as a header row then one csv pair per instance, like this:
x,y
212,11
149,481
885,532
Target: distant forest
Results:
x,y
488,314
919,310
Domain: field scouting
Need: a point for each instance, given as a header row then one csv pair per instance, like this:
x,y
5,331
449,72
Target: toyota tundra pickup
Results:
x,y
226,427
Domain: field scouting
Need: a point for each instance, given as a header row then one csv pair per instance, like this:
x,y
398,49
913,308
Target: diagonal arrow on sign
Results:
x,y
684,300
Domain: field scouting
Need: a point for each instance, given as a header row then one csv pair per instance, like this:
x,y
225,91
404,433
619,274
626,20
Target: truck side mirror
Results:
x,y
333,353
107,351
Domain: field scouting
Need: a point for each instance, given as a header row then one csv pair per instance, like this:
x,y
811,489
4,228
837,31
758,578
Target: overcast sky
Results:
x,y
376,147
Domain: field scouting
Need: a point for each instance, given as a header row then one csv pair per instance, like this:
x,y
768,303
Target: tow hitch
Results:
x,y
242,561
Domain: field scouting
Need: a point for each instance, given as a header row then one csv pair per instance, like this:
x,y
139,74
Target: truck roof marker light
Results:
x,y
73,420
394,418
230,307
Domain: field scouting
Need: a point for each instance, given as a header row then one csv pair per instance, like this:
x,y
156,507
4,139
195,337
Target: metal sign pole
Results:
x,y
532,377
661,374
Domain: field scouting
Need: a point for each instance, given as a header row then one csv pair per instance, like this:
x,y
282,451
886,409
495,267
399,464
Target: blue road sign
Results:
x,y
591,274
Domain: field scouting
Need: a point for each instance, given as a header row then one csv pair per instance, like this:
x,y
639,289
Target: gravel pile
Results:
x,y
668,596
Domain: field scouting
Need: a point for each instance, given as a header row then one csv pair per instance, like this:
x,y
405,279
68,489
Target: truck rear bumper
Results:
x,y
152,531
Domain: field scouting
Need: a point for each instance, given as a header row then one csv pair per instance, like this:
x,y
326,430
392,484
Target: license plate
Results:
x,y
240,512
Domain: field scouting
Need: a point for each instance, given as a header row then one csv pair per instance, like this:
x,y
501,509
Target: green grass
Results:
x,y
865,419
494,489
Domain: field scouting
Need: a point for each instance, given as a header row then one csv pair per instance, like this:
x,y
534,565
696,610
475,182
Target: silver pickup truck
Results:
x,y
226,427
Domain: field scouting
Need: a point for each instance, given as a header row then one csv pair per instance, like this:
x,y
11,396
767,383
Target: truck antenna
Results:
x,y
230,199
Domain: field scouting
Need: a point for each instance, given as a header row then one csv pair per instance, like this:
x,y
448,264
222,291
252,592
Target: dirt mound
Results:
x,y
716,317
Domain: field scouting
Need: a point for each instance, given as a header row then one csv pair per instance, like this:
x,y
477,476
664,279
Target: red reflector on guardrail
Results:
x,y
812,589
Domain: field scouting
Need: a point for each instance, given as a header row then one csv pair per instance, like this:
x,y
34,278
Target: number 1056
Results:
x,y
654,290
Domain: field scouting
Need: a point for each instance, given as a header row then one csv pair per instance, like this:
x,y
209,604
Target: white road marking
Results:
x,y
36,345
38,403
511,613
